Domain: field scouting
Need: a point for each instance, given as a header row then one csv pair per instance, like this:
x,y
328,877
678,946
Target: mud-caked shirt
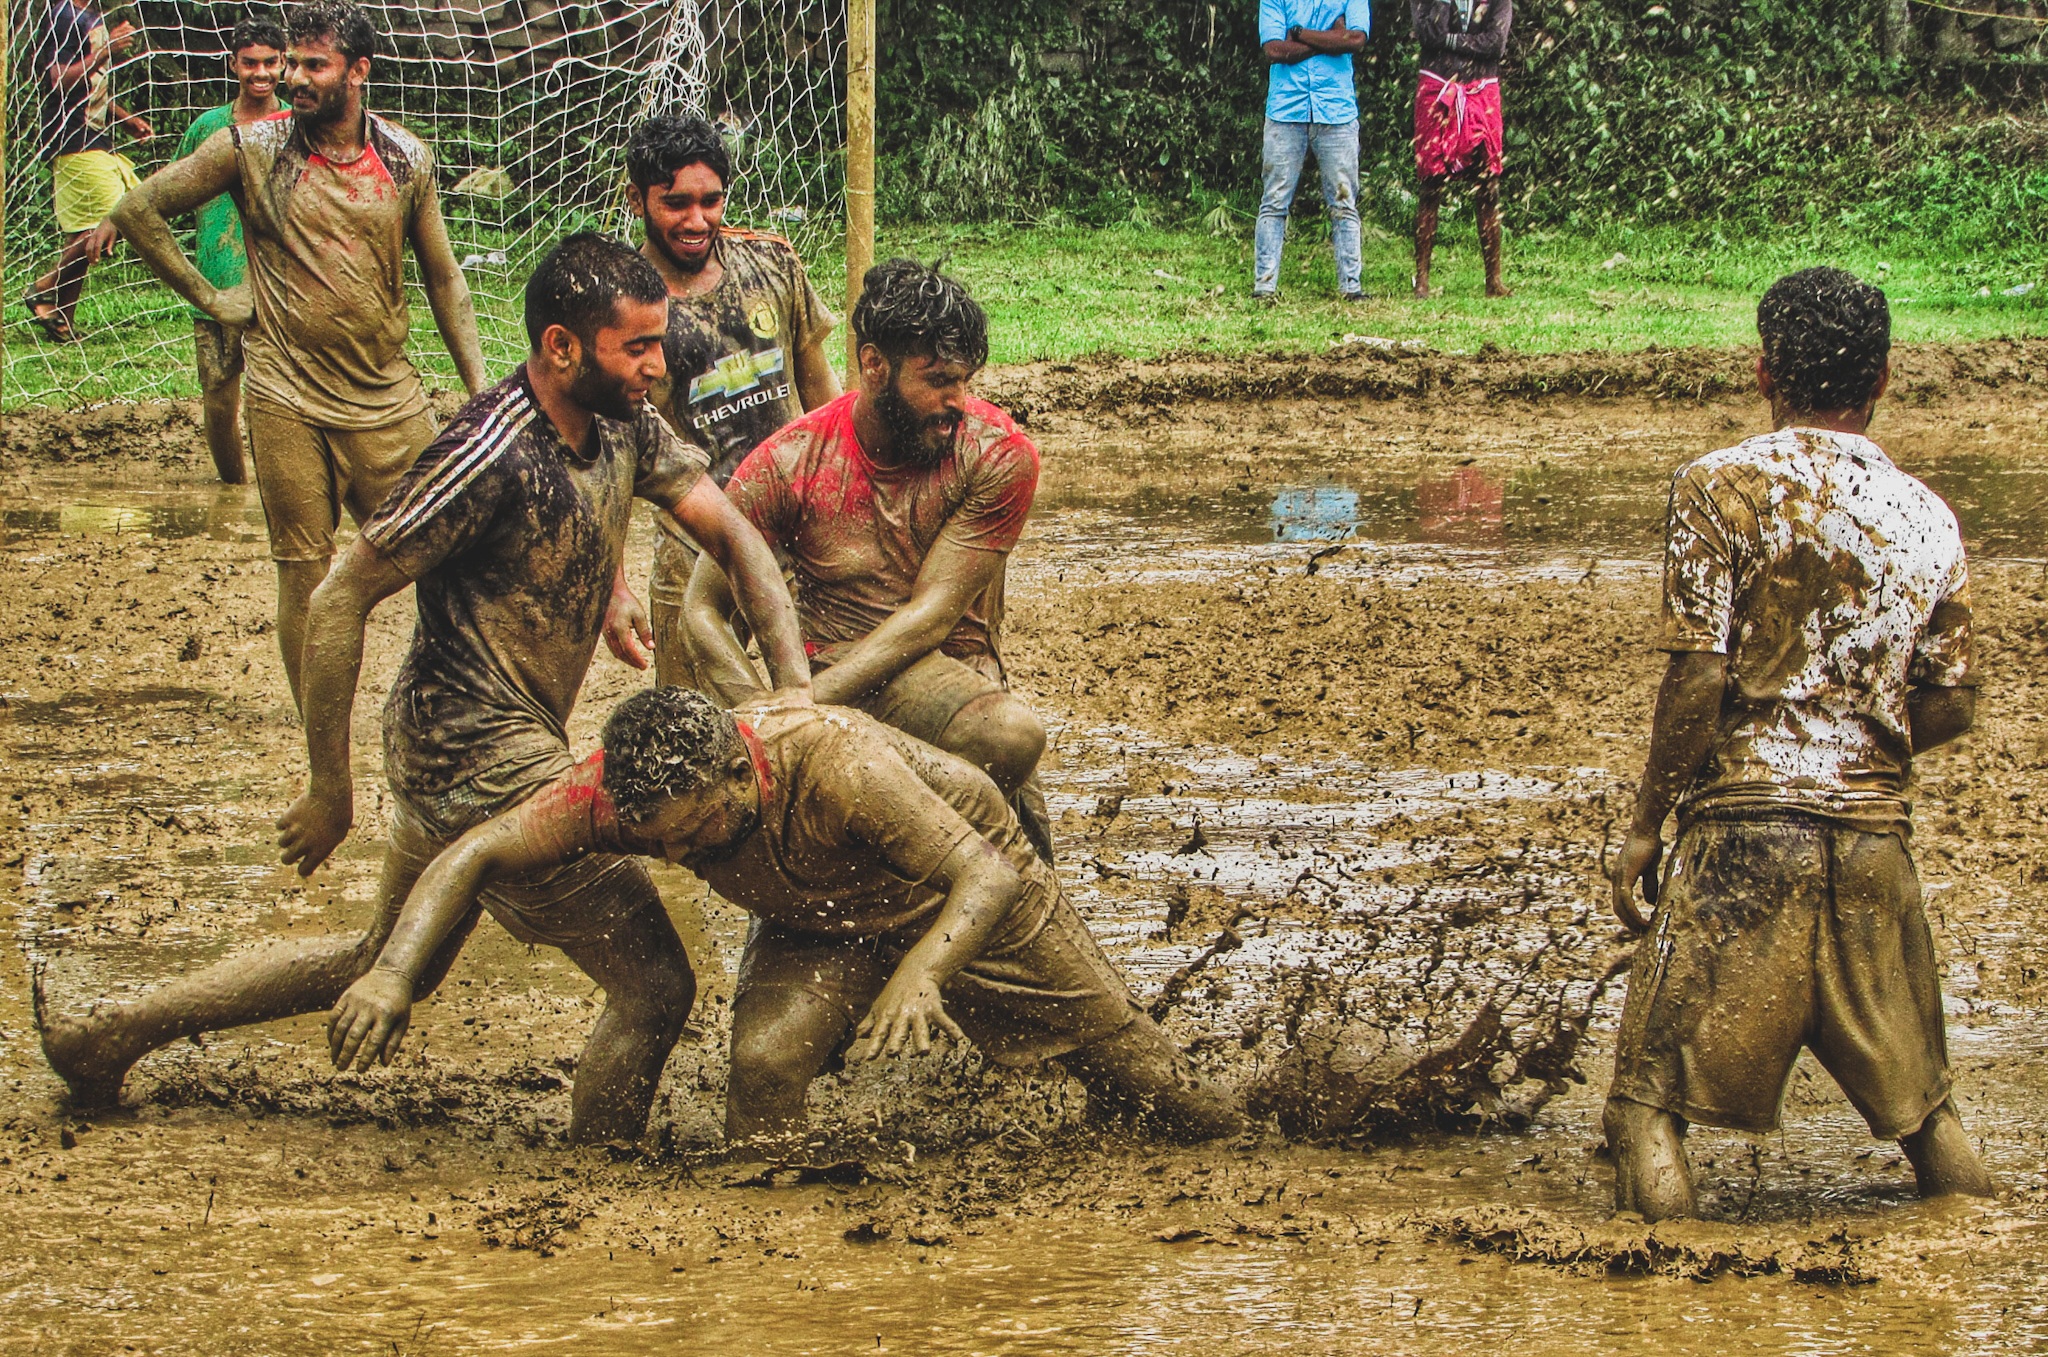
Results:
x,y
513,539
1834,582
856,818
857,534
732,357
326,256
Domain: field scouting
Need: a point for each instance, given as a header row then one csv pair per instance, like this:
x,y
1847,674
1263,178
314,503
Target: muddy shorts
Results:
x,y
579,902
219,353
1773,934
86,186
1044,993
307,474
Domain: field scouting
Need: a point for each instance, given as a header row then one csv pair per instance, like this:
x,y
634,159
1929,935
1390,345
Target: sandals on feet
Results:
x,y
53,325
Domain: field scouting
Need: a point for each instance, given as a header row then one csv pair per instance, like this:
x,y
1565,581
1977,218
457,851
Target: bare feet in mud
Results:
x,y
76,1051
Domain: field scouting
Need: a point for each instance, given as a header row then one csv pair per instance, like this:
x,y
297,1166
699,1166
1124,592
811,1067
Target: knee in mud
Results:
x,y
772,1066
1000,735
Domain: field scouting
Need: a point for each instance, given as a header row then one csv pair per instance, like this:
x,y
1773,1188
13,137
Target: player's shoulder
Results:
x,y
763,245
491,425
270,132
404,154
206,124
995,435
821,433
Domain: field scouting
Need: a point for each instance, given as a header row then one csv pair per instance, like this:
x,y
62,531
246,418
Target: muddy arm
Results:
x,y
815,383
143,216
330,665
1688,716
447,291
1938,715
369,1021
951,578
981,889
721,661
743,555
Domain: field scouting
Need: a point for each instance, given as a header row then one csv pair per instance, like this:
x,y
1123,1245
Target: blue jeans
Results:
x,y
1287,146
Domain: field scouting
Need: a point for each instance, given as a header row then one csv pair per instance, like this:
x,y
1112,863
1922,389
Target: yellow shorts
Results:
x,y
88,184
306,474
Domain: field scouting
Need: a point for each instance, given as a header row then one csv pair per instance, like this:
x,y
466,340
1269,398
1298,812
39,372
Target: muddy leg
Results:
x,y
92,1054
1651,1177
220,381
1426,212
1137,1071
999,735
63,285
648,990
1944,1164
1486,202
781,1038
296,581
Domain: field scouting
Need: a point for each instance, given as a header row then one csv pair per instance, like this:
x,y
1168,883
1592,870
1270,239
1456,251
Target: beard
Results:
x,y
329,107
682,265
921,442
601,394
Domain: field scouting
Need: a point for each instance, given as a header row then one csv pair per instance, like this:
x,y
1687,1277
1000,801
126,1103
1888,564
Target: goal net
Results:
x,y
527,105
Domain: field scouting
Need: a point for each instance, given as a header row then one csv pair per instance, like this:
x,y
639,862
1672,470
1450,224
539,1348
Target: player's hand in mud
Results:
x,y
627,632
312,827
234,307
1637,863
369,1020
903,1019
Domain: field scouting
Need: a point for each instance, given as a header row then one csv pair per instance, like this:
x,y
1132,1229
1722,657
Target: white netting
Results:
x,y
527,105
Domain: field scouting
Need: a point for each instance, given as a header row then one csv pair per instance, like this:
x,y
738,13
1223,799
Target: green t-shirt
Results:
x,y
219,254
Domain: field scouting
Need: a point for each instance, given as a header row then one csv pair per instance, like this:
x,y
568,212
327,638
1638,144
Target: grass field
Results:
x,y
1060,292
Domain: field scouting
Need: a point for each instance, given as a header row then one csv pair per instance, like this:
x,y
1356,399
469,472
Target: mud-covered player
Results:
x,y
332,197
511,525
897,505
896,900
746,334
1817,615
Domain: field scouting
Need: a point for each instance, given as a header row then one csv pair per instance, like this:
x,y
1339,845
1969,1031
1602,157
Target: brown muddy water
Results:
x,y
1346,699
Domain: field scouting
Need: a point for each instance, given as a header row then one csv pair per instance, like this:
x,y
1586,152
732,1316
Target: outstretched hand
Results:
x,y
369,1020
627,632
313,827
903,1018
1637,863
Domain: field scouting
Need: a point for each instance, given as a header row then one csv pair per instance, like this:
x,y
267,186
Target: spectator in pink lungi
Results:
x,y
1457,120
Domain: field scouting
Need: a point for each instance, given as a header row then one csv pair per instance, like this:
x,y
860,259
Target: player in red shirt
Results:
x,y
897,506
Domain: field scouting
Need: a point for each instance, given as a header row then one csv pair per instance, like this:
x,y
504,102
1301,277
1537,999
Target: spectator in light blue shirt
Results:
x,y
1311,104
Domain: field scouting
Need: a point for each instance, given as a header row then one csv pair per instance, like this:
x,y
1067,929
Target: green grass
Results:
x,y
1061,292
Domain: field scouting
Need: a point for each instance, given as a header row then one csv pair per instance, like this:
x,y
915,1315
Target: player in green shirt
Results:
x,y
256,53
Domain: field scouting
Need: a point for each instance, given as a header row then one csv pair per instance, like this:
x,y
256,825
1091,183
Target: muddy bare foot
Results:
x,y
1499,290
78,1050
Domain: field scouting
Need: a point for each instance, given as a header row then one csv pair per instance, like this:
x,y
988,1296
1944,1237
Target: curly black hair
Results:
x,y
661,743
342,23
666,142
1826,336
908,308
256,33
580,283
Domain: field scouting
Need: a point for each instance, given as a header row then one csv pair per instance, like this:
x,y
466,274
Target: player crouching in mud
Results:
x,y
1817,613
896,898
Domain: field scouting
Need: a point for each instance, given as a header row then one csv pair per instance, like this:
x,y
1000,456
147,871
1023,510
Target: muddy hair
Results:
x,y
907,308
665,143
342,23
661,743
1826,336
257,33
581,282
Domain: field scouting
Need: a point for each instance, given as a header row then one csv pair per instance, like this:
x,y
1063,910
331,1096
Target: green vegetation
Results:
x,y
1062,291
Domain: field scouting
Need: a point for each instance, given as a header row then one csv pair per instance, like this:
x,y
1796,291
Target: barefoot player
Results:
x,y
1817,612
898,504
746,333
511,524
331,198
255,52
896,900
1458,121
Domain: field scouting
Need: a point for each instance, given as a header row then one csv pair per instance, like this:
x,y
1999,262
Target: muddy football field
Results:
x,y
1347,666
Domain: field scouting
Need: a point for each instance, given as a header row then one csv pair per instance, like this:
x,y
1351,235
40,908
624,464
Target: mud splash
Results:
x,y
1388,773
